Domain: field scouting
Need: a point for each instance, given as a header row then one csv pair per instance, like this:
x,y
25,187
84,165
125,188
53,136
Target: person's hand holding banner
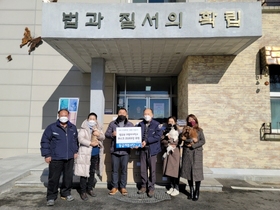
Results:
x,y
128,137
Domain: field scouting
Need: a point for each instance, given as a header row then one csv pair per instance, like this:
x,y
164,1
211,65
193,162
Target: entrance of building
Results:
x,y
138,93
136,106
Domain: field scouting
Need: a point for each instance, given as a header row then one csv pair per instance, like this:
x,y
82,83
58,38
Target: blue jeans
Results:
x,y
117,162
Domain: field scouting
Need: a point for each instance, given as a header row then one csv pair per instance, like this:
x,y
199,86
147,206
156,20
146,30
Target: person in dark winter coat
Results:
x,y
171,162
151,137
59,146
192,158
120,156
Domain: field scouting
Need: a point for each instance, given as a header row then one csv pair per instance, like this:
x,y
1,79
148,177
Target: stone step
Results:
x,y
38,177
43,169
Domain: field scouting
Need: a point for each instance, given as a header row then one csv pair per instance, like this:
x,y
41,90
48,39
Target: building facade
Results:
x,y
177,57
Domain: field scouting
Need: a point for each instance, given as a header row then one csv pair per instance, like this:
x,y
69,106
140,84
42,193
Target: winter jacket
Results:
x,y
153,136
171,164
82,164
58,143
111,128
192,159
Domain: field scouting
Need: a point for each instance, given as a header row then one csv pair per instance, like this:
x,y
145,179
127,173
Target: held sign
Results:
x,y
128,137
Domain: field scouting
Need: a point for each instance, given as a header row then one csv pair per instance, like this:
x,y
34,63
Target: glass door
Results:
x,y
160,107
135,107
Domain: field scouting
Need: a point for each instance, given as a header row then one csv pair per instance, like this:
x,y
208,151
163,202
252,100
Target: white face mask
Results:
x,y
147,118
91,123
63,119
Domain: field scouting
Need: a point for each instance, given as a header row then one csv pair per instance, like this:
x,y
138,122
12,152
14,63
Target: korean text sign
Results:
x,y
138,20
128,137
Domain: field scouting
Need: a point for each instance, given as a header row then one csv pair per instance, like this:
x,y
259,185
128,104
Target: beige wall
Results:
x,y
222,92
93,1
231,0
30,85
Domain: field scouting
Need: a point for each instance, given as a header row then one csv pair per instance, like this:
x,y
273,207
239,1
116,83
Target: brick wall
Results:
x,y
223,92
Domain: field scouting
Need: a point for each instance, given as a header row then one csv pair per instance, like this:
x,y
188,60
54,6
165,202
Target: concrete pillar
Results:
x,y
183,95
97,99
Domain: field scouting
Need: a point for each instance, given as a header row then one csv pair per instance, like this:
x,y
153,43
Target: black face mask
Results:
x,y
121,118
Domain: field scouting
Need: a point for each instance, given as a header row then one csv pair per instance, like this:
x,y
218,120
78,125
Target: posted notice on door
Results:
x,y
128,137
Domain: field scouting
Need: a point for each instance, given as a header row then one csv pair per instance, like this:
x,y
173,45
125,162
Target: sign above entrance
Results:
x,y
172,20
207,17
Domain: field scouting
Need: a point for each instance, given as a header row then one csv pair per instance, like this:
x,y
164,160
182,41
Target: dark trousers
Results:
x,y
119,161
148,162
55,169
174,183
87,183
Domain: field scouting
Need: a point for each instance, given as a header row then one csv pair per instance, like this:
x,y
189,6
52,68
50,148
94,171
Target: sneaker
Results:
x,y
170,191
68,198
123,191
113,191
50,202
151,193
175,192
142,190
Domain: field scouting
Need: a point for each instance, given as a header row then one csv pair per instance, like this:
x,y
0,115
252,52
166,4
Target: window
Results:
x,y
136,93
153,1
274,74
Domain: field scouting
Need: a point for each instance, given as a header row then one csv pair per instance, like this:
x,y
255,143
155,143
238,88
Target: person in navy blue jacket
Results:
x,y
59,146
120,156
151,146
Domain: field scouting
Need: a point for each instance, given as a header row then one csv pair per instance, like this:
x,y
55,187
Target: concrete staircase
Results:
x,y
38,177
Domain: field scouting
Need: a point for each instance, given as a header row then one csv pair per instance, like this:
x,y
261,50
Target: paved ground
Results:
x,y
34,198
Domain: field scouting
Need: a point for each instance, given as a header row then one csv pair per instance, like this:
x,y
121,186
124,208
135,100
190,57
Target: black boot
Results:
x,y
196,192
190,196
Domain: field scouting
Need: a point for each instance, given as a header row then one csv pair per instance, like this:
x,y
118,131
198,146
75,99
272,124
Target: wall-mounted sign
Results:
x,y
72,105
127,20
172,20
158,110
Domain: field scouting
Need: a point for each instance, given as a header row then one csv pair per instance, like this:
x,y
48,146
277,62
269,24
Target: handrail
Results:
x,y
265,129
271,2
267,134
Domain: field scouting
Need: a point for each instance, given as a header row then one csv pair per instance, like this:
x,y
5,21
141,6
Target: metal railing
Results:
x,y
270,2
269,134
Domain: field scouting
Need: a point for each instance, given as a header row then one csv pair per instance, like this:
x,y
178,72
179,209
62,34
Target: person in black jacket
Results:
x,y
59,146
120,156
151,146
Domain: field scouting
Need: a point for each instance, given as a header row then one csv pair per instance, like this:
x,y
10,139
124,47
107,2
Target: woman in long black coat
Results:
x,y
192,158
171,163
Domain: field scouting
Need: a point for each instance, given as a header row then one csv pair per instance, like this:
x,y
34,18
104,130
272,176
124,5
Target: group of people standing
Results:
x,y
191,139
61,144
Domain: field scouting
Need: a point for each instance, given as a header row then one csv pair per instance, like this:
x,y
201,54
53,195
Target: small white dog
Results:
x,y
173,137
